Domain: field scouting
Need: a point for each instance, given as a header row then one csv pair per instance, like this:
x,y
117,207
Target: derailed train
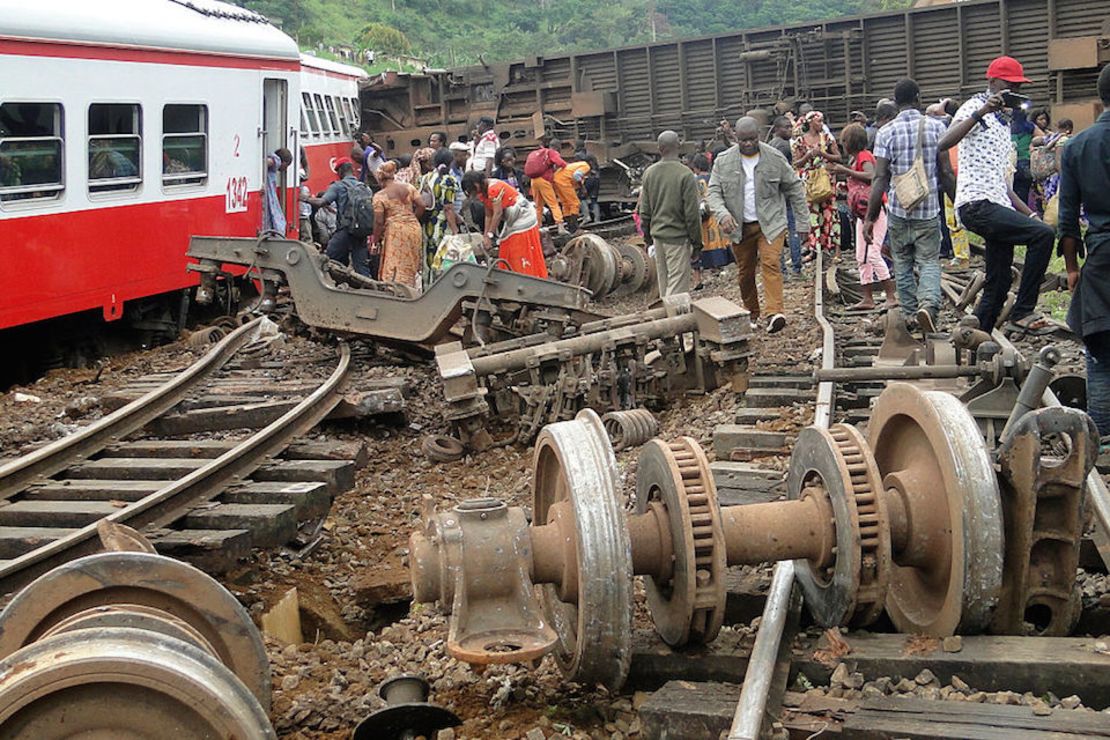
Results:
x,y
618,100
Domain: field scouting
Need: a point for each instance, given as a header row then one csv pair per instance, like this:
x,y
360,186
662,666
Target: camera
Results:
x,y
1014,100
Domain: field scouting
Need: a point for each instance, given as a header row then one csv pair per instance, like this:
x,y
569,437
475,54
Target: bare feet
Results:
x,y
862,306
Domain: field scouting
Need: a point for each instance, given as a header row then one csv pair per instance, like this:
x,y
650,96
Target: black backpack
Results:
x,y
358,217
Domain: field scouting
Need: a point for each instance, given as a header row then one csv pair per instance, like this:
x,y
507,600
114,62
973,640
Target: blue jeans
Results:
x,y
342,246
793,241
916,242
1098,380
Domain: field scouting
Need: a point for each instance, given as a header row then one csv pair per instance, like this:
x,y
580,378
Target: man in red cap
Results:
x,y
343,244
987,204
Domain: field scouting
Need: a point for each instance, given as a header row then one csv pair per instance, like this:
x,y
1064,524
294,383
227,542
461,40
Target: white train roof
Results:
x,y
315,62
205,26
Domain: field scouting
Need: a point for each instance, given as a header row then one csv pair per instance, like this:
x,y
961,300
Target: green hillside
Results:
x,y
460,32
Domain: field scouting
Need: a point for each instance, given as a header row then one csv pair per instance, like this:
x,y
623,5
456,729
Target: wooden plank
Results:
x,y
919,719
1062,665
338,474
781,381
214,551
754,415
690,710
269,524
309,499
14,541
339,449
92,490
55,514
727,437
222,418
776,397
745,483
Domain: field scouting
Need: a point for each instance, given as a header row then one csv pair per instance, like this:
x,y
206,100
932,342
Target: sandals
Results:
x,y
1032,325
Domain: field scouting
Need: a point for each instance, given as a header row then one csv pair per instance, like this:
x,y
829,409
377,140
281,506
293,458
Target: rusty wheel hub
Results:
x,y
945,510
673,481
846,582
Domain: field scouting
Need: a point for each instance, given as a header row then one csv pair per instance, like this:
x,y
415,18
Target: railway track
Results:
x,y
208,500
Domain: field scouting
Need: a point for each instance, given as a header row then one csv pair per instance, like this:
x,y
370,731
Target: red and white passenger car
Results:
x,y
127,126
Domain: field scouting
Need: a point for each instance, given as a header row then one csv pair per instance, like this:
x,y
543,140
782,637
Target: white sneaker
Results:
x,y
754,326
776,324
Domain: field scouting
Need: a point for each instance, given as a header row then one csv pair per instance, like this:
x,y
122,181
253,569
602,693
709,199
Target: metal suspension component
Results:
x,y
630,428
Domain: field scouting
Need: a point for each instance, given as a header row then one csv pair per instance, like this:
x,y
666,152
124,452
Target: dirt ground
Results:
x,y
357,623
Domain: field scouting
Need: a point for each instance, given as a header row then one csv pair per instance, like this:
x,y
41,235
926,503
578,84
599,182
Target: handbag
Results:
x,y
912,186
1042,160
1052,210
819,186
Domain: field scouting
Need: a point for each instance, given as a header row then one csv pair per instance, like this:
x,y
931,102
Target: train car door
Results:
x,y
275,135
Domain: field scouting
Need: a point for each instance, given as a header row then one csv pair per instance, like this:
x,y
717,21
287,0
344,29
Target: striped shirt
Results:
x,y
897,143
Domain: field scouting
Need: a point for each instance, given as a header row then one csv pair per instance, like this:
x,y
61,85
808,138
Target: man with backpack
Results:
x,y
355,218
540,167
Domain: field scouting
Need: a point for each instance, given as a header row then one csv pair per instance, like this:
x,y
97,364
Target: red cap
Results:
x,y
342,161
1007,69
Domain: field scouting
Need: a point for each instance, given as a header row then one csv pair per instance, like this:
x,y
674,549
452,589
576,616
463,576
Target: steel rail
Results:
x,y
1097,493
175,498
747,721
16,475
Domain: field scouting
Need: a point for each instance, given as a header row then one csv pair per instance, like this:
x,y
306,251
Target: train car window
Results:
x,y
304,124
31,147
328,101
343,108
184,144
310,113
320,113
356,114
115,147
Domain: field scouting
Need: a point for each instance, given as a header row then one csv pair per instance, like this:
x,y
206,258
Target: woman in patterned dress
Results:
x,y
397,208
813,148
440,218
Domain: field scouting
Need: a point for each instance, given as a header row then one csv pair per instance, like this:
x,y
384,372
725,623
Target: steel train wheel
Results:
x,y
634,273
166,595
691,606
574,462
124,683
927,445
835,463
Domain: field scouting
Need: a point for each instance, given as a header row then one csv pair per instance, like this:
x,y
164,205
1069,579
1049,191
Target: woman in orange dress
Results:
x,y
510,218
397,208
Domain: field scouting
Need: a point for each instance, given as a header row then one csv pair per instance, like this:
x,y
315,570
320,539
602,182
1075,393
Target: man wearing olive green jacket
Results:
x,y
748,188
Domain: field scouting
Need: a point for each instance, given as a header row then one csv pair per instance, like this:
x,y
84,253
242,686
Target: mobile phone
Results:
x,y
1015,100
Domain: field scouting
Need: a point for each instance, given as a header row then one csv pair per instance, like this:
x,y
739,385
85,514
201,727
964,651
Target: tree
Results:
x,y
384,39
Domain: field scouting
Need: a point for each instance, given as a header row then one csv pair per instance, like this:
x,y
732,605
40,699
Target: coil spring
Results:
x,y
630,428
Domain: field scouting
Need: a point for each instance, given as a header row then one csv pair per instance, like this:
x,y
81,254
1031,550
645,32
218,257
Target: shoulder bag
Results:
x,y
912,186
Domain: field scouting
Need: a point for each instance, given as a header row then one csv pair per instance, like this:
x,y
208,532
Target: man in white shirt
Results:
x,y
987,204
485,147
748,191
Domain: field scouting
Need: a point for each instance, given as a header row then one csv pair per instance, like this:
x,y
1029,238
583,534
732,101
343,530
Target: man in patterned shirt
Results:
x,y
915,231
987,204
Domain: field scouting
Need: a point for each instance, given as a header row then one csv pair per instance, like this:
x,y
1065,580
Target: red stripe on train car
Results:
x,y
99,258
77,50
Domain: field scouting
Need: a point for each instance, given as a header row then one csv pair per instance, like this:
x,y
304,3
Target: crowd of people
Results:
x,y
443,190
899,189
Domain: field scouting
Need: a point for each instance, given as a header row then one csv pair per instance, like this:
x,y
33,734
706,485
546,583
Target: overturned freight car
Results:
x,y
618,100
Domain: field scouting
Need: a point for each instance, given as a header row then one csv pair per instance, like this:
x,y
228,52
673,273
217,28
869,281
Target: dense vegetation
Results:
x,y
450,33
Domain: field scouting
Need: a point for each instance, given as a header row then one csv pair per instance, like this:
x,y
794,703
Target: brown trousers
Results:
x,y
754,245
